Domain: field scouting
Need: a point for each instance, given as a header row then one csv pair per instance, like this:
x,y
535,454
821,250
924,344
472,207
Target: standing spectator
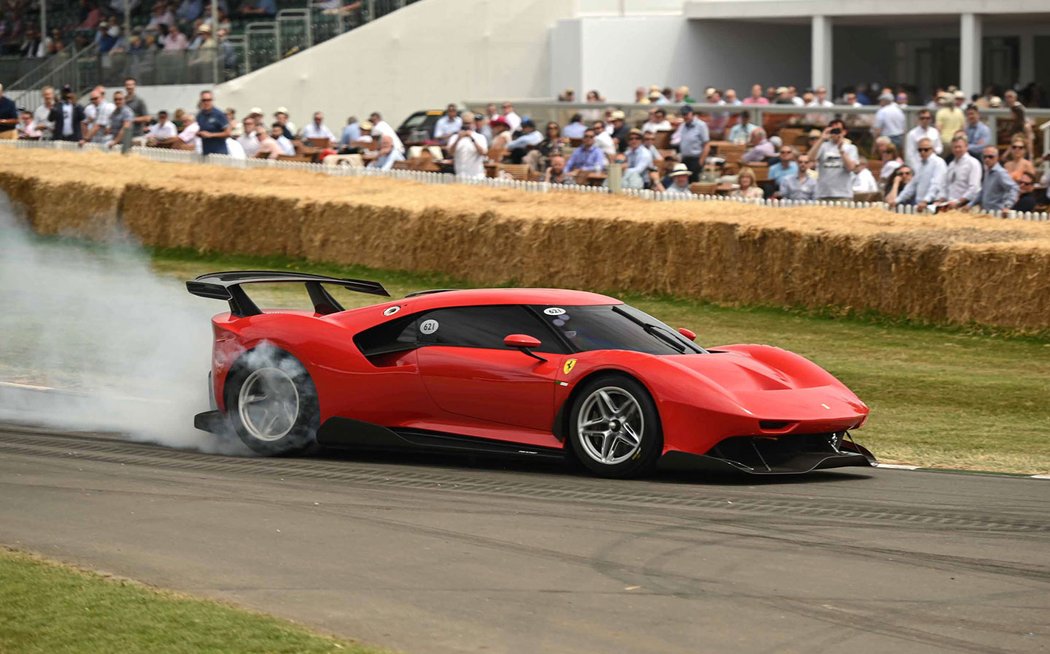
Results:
x,y
716,125
500,138
317,129
1016,162
1028,198
388,154
96,116
928,185
657,121
963,179
799,186
924,130
692,140
889,120
189,10
468,149
214,127
679,180
249,140
835,159
448,124
761,148
603,139
587,157
756,96
67,117
161,15
949,119
351,133
748,188
977,133
636,162
511,116
555,173
522,145
8,117
575,129
137,105
120,121
162,132
382,128
27,130
998,192
786,167
42,115
1022,126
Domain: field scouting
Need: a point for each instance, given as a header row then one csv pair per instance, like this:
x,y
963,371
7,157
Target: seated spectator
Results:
x,y
1016,160
512,118
603,140
530,138
761,149
90,15
189,10
162,132
799,186
756,96
382,128
587,157
862,179
679,180
448,124
741,132
266,147
259,8
1028,198
575,129
556,173
619,130
553,142
928,185
649,141
500,138
161,15
317,129
924,130
748,187
175,40
963,179
786,166
27,129
468,149
249,139
730,98
657,121
998,191
277,132
636,162
568,95
887,153
899,183
388,154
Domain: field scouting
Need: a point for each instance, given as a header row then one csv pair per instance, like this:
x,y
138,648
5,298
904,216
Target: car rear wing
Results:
x,y
227,286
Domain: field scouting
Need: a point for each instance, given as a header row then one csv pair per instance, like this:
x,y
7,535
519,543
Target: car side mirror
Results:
x,y
525,343
688,333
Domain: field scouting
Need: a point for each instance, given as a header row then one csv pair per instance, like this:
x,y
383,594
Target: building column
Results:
x,y
820,53
970,54
1027,56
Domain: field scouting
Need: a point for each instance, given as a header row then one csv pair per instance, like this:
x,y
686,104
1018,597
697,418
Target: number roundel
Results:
x,y
428,327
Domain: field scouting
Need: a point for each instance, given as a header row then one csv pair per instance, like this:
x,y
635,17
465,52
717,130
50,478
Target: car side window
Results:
x,y
393,336
483,327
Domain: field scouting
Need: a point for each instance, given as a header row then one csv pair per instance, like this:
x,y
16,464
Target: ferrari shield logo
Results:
x,y
569,365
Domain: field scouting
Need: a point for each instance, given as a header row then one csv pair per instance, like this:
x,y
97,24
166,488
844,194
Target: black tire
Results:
x,y
295,428
631,422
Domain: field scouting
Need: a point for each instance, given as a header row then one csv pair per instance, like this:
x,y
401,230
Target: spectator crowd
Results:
x,y
950,160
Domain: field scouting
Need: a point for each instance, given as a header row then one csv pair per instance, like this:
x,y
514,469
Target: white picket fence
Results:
x,y
184,156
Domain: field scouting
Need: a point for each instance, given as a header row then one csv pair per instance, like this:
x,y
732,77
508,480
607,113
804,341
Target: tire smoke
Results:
x,y
123,349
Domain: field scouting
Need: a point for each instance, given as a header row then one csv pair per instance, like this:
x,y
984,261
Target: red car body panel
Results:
x,y
505,395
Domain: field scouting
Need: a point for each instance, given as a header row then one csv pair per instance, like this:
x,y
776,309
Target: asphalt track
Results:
x,y
457,555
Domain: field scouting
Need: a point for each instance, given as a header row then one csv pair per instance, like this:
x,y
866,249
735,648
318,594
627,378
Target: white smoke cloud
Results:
x,y
129,350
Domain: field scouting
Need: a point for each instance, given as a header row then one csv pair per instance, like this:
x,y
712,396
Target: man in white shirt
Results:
x,y
924,130
928,185
963,178
448,124
603,139
468,149
317,129
249,141
512,118
161,132
889,120
381,128
40,116
657,121
287,149
96,116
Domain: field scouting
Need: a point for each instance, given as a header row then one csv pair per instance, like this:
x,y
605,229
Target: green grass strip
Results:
x,y
51,608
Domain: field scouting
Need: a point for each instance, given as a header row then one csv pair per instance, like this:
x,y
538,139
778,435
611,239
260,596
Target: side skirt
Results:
x,y
347,432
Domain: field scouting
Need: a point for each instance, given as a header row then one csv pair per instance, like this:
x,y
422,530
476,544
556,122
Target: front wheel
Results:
x,y
615,428
272,403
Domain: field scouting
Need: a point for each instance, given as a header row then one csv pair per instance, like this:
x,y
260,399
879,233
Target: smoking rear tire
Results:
x,y
272,403
615,428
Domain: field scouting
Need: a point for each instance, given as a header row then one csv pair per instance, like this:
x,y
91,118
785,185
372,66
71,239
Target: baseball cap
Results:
x,y
686,109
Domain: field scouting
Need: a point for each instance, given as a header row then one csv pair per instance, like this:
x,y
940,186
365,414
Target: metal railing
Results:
x,y
76,71
184,156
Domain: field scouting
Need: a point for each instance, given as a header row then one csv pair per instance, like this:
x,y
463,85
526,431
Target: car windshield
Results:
x,y
616,327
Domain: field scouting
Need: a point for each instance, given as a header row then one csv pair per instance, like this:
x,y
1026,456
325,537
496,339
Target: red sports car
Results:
x,y
533,372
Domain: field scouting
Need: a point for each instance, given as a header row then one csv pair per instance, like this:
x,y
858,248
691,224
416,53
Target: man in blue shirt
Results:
x,y
977,133
693,141
214,127
787,166
586,157
999,191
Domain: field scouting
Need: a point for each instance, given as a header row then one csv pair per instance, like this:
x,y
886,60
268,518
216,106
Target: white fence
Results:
x,y
184,156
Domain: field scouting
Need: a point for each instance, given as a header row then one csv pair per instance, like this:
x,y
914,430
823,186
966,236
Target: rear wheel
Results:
x,y
272,403
615,427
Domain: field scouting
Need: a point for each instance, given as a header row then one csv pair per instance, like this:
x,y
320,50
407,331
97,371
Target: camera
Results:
x,y
835,131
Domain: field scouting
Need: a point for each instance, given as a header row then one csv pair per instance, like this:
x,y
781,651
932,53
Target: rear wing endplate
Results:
x,y
227,286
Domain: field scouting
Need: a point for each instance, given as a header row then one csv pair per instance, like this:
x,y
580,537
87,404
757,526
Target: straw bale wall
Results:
x,y
943,269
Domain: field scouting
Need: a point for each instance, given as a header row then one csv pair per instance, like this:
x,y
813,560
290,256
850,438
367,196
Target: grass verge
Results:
x,y
48,607
940,397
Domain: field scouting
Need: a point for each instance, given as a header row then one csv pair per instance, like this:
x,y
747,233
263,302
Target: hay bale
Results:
x,y
998,285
